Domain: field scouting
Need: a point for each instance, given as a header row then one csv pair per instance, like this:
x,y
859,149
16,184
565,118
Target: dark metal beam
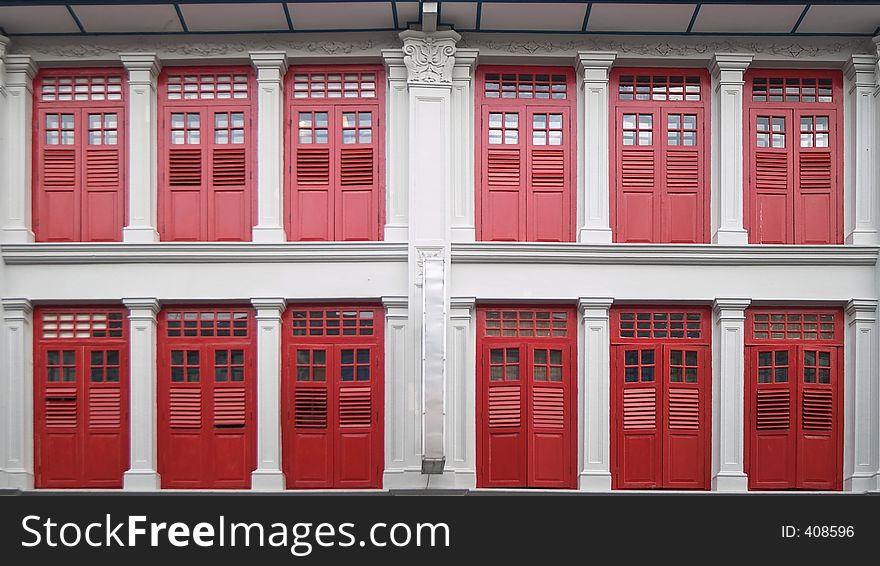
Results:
x,y
803,15
75,19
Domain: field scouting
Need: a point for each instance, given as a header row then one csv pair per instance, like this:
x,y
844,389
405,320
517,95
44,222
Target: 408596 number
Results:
x,y
829,531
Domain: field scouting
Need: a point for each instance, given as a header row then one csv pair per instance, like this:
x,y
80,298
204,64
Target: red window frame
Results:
x,y
539,198
208,191
80,195
515,420
808,447
328,419
654,418
207,432
325,195
802,205
649,173
81,426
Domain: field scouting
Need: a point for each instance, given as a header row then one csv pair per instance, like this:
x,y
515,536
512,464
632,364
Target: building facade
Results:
x,y
375,245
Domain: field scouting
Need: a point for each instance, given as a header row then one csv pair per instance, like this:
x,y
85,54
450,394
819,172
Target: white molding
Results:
x,y
594,394
16,171
662,254
17,389
463,106
269,475
860,133
861,392
173,252
396,148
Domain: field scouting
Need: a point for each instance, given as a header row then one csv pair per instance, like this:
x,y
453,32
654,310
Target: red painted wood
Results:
x,y
794,398
335,153
81,392
207,172
526,397
660,150
80,163
207,397
661,397
794,188
524,154
332,390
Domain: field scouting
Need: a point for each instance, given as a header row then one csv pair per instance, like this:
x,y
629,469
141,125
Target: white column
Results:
x,y
461,390
463,197
397,145
271,67
595,396
861,131
594,208
728,383
143,72
16,173
17,389
268,475
142,475
402,395
727,148
861,391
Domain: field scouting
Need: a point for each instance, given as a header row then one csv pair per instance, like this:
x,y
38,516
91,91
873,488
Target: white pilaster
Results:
x,y
594,200
268,475
143,72
595,396
463,196
861,133
16,172
17,389
861,398
397,144
402,394
727,147
271,67
728,383
142,474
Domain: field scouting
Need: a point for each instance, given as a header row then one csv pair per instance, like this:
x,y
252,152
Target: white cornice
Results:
x,y
662,254
324,252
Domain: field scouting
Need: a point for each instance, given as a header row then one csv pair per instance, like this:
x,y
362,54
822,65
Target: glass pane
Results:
x,y
513,373
496,373
192,121
67,121
690,375
177,374
365,136
778,140
321,136
540,373
781,375
825,359
629,138
363,356
763,123
645,138
806,124
782,358
675,357
496,356
221,374
513,355
192,357
193,137
68,357
675,375
631,375
541,357
511,120
348,136
221,137
674,122
647,374
51,121
192,374
821,123
690,122
94,121
809,375
319,374
96,375
764,375
347,356
539,121
97,358
494,137
824,375
177,357
302,356
556,357
648,357
363,373
511,137
221,120
646,121
539,138
237,357
806,140
555,121
629,121
631,357
238,120
690,358
778,124
347,373
809,358
302,374
821,140
112,375
113,358
494,119
348,119
690,138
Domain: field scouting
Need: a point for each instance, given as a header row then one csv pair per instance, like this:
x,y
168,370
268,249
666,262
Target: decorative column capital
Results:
x,y
4,43
594,307
269,304
394,302
429,57
862,310
729,67
861,70
731,309
137,306
270,65
142,67
463,303
17,308
595,65
20,70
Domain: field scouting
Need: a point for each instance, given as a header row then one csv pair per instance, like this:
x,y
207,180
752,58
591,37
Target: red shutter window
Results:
x,y
525,154
335,168
207,177
794,398
79,156
80,397
794,159
660,147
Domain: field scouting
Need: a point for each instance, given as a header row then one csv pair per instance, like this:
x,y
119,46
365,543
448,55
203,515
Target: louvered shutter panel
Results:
x,y
815,185
105,407
310,408
230,406
637,167
818,409
313,199
505,406
639,409
355,407
773,409
58,185
61,407
684,409
185,408
548,409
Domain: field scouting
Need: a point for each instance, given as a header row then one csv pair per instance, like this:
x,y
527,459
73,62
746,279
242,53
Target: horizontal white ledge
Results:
x,y
178,252
662,254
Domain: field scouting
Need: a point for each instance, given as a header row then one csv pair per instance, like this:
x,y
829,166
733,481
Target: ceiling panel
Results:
x,y
40,19
407,12
762,19
329,15
159,18
841,19
234,17
461,15
641,17
540,17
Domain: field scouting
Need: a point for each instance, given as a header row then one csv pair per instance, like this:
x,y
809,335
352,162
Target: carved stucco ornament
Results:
x,y
429,57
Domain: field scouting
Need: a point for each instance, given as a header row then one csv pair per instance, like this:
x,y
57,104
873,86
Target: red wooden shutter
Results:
x,y
335,176
660,148
638,431
794,157
207,185
506,432
818,450
524,154
79,155
550,460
